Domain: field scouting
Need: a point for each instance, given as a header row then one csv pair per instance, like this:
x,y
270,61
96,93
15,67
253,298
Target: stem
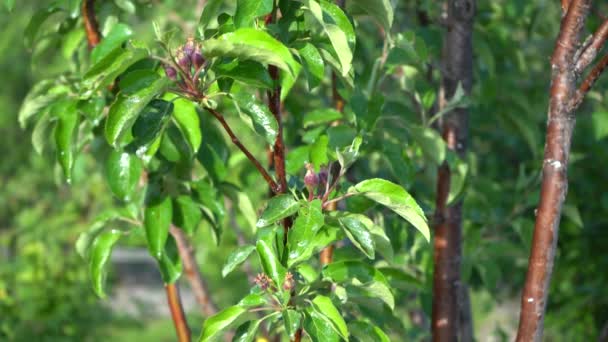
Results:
x,y
90,23
197,282
590,52
177,313
274,104
273,185
560,124
458,62
589,81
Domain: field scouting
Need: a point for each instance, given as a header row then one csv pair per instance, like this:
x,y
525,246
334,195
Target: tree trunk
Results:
x,y
457,69
554,186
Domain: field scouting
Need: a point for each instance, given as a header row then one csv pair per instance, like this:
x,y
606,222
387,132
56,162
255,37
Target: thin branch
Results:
x,y
90,23
177,313
588,83
274,104
565,6
273,185
196,280
590,52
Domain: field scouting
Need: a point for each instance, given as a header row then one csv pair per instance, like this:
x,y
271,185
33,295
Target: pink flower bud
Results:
x,y
188,48
311,179
170,72
197,60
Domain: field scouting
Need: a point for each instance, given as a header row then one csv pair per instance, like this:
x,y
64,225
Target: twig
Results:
x,y
590,52
589,81
274,104
196,280
177,313
273,185
90,23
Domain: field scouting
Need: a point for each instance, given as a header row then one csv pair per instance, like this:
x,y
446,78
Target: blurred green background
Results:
x,y
44,289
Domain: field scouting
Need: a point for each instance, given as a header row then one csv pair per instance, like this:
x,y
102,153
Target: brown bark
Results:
x,y
560,125
458,69
197,282
177,313
90,23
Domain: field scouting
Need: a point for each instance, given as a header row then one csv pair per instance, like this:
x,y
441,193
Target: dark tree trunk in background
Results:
x,y
457,69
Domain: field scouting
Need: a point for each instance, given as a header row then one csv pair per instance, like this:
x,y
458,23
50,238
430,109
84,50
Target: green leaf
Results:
x,y
247,11
458,176
326,308
99,257
125,110
253,299
367,332
318,152
351,271
220,322
123,171
157,221
118,35
247,331
210,12
237,257
125,5
9,4
380,10
310,219
314,65
336,34
257,116
170,264
297,159
279,207
292,320
361,280
188,122
111,66
186,213
248,72
395,198
270,263
148,127
321,116
41,132
65,135
359,234
251,44
31,31
39,98
319,328
431,143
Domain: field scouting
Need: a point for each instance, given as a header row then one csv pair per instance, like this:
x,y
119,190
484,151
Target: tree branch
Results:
x,y
271,183
274,104
177,313
590,52
588,83
90,23
196,280
555,181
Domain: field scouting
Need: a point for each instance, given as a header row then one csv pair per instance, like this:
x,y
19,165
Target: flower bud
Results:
x,y
188,48
323,177
170,72
289,282
311,179
197,60
184,61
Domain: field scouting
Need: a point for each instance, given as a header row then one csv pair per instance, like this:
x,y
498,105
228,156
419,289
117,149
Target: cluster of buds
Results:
x,y
189,61
263,281
289,282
